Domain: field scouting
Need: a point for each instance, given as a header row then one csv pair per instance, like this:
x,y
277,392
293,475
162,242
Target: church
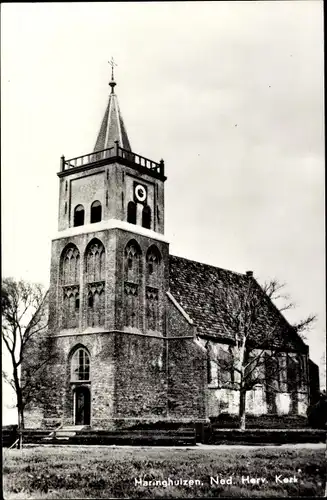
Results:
x,y
133,333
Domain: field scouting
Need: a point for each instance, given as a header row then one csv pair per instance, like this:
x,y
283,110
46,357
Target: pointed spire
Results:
x,y
112,127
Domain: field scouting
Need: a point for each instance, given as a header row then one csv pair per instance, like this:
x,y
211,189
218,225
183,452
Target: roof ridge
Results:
x,y
209,265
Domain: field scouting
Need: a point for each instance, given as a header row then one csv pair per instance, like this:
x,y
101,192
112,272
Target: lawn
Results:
x,y
109,472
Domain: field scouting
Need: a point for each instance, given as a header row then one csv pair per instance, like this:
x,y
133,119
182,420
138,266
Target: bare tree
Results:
x,y
249,313
22,322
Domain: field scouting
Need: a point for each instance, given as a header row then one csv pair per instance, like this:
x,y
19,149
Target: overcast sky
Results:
x,y
230,94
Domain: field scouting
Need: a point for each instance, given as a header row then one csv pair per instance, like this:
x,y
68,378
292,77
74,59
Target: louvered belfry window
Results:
x,y
79,215
70,278
96,212
132,258
95,283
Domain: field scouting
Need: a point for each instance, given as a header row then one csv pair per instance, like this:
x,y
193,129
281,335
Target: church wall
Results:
x,y
222,398
187,374
141,384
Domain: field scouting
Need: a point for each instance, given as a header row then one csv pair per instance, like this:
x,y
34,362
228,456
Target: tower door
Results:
x,y
82,406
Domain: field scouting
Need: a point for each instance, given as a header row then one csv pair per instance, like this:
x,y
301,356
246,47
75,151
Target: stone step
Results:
x,y
65,432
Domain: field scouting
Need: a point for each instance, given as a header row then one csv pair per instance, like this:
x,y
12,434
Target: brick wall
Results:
x,y
187,369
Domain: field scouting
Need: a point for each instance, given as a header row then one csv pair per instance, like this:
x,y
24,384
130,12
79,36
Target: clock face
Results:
x,y
140,193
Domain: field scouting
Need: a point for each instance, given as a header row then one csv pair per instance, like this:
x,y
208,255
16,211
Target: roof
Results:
x,y
112,127
201,291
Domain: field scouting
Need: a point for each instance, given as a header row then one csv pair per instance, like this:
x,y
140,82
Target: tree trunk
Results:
x,y
20,409
242,412
242,401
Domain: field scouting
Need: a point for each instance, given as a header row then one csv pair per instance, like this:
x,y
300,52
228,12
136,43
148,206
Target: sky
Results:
x,y
229,94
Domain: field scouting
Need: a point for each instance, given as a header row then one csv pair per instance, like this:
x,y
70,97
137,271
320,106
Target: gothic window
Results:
x,y
153,260
132,258
293,372
153,282
70,316
95,304
146,217
131,305
282,372
70,265
96,212
225,367
152,310
79,215
302,372
132,262
131,212
70,275
95,283
95,261
80,366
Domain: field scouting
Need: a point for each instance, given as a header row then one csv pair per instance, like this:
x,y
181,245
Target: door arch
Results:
x,y
82,406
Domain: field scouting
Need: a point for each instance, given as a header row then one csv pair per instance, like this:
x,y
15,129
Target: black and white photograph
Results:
x,y
163,250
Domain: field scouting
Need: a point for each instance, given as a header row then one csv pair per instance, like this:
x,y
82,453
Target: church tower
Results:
x,y
121,349
109,276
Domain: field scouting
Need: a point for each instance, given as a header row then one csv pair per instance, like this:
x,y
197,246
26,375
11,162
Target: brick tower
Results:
x,y
109,323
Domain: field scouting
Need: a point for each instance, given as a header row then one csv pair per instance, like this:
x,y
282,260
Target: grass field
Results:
x,y
98,472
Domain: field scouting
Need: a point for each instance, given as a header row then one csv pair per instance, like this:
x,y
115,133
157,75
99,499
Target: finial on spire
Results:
x,y
112,83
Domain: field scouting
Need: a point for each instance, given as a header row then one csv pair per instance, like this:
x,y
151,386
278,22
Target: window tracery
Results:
x,y
80,366
153,285
132,257
95,283
70,277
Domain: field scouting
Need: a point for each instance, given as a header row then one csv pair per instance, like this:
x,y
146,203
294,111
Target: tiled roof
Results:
x,y
112,128
199,288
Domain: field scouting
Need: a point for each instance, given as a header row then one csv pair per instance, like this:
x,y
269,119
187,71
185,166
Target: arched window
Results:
x,y
146,217
153,260
153,286
95,278
79,215
132,273
69,277
132,261
70,265
95,261
80,366
131,212
96,212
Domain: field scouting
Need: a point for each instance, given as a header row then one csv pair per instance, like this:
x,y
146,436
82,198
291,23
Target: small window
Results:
x,y
80,365
96,212
131,212
79,215
146,217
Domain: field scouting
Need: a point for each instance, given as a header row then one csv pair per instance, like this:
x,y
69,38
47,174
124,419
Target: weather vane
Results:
x,y
112,64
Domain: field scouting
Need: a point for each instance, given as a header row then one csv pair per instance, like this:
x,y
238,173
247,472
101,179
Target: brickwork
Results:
x,y
112,185
187,376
